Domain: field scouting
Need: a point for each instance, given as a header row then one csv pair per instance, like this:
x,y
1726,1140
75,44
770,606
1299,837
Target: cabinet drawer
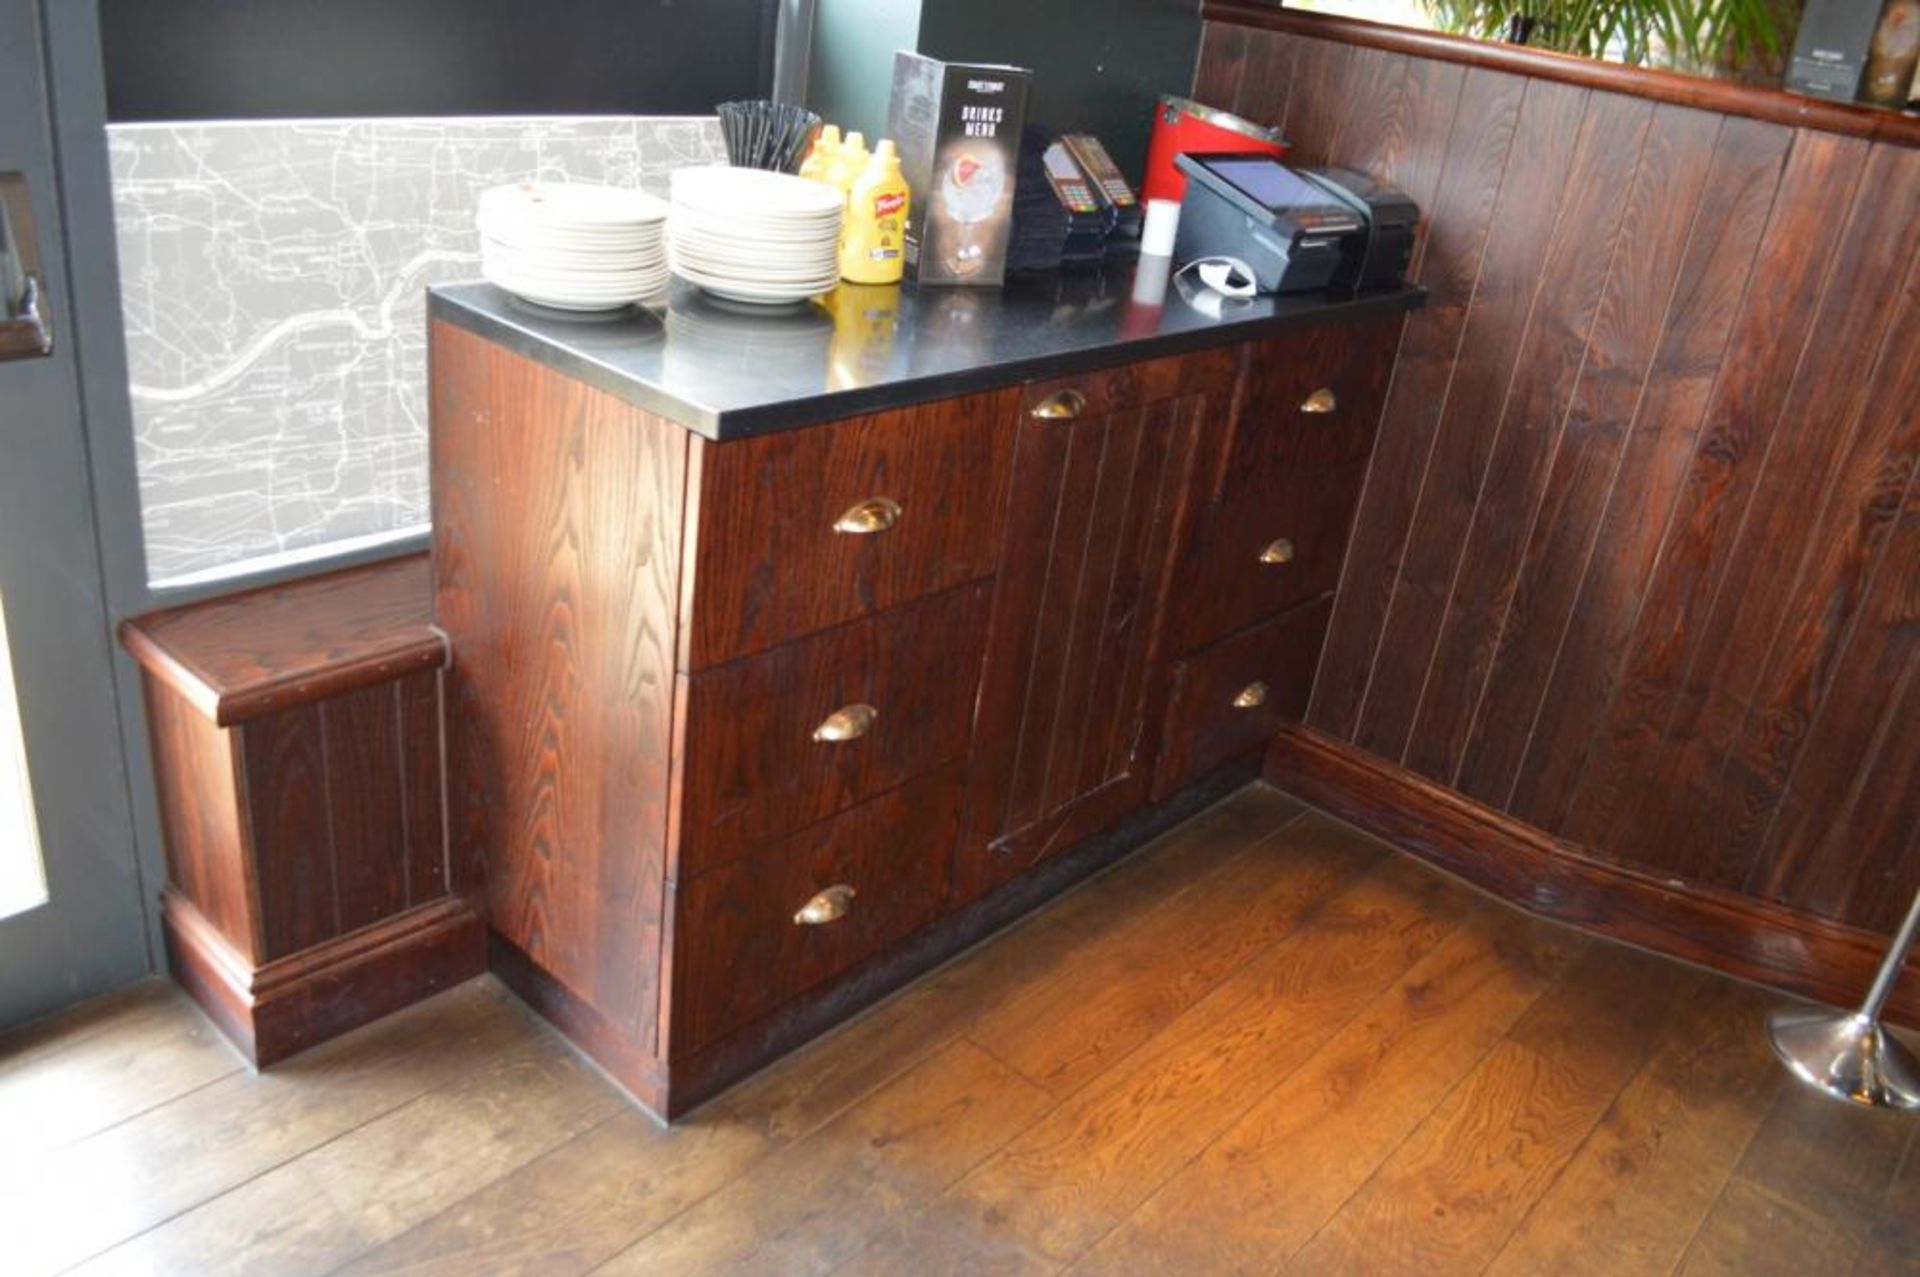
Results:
x,y
808,529
1313,400
778,741
1229,699
1264,552
1092,395
872,876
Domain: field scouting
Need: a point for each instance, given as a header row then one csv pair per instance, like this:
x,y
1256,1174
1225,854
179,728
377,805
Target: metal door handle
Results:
x,y
24,330
24,333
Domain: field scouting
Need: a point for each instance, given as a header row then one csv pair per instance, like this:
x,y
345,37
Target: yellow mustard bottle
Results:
x,y
873,237
849,161
820,155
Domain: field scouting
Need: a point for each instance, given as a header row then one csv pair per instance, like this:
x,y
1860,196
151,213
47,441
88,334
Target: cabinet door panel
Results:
x,y
1065,695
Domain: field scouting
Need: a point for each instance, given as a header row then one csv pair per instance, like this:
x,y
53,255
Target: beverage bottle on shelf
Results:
x,y
873,235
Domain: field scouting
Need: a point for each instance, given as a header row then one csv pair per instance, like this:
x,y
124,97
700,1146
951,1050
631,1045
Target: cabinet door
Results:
x,y
1103,470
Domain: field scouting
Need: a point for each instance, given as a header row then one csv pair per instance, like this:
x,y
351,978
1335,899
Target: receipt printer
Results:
x,y
1296,232
1378,257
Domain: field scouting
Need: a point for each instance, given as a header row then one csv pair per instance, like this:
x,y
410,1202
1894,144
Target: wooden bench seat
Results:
x,y
296,736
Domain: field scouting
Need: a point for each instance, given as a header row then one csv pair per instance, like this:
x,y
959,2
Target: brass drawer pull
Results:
x,y
876,514
849,723
1252,696
1279,550
826,906
1061,405
1321,400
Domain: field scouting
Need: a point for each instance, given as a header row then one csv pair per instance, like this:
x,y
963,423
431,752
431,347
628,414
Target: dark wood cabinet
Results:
x,y
744,734
1102,474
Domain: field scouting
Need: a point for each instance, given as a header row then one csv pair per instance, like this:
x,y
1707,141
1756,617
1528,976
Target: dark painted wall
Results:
x,y
241,59
1098,64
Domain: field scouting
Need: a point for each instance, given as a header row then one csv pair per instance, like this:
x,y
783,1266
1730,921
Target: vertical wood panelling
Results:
x,y
1641,286
1755,376
283,760
365,797
1067,675
1836,842
1842,620
1741,179
1810,541
1474,397
419,710
1459,219
1223,58
1635,559
1266,81
202,815
1525,437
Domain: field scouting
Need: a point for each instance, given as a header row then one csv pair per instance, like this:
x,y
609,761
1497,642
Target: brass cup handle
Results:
x,y
1061,405
1320,401
826,906
1252,696
850,722
875,514
1278,551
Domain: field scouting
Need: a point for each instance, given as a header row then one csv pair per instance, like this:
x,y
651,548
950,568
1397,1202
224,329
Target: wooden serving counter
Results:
x,y
744,732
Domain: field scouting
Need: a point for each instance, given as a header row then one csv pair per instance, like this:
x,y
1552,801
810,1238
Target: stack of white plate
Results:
x,y
573,247
754,236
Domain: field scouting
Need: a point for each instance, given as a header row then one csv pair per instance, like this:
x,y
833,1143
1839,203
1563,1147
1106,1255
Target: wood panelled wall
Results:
x,y
1638,556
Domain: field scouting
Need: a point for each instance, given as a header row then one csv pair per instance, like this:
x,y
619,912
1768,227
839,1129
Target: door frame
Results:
x,y
97,930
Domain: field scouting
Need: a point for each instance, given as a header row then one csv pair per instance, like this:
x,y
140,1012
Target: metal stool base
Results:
x,y
1848,1055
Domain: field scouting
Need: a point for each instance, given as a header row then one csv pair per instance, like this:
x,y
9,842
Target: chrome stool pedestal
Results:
x,y
1848,1054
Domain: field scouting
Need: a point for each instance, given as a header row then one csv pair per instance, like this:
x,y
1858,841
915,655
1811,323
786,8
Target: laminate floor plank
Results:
x,y
29,1045
1649,1173
1752,1233
1175,953
1808,1193
1258,1193
91,1195
579,1205
1448,1198
801,1092
1263,1043
60,1091
325,1209
817,1202
1893,1247
1065,1183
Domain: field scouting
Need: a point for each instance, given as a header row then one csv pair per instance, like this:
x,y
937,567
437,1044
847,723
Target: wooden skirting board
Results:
x,y
1742,936
284,1006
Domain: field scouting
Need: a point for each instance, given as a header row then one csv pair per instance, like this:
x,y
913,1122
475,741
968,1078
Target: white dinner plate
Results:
x,y
776,195
572,206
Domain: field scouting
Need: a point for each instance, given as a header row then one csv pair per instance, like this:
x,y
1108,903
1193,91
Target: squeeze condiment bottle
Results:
x,y
849,161
874,233
821,155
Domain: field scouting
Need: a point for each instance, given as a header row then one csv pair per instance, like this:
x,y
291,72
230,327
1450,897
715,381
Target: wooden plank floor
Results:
x,y
1265,1044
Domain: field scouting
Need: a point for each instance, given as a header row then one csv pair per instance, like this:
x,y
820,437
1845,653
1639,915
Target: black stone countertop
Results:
x,y
727,370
